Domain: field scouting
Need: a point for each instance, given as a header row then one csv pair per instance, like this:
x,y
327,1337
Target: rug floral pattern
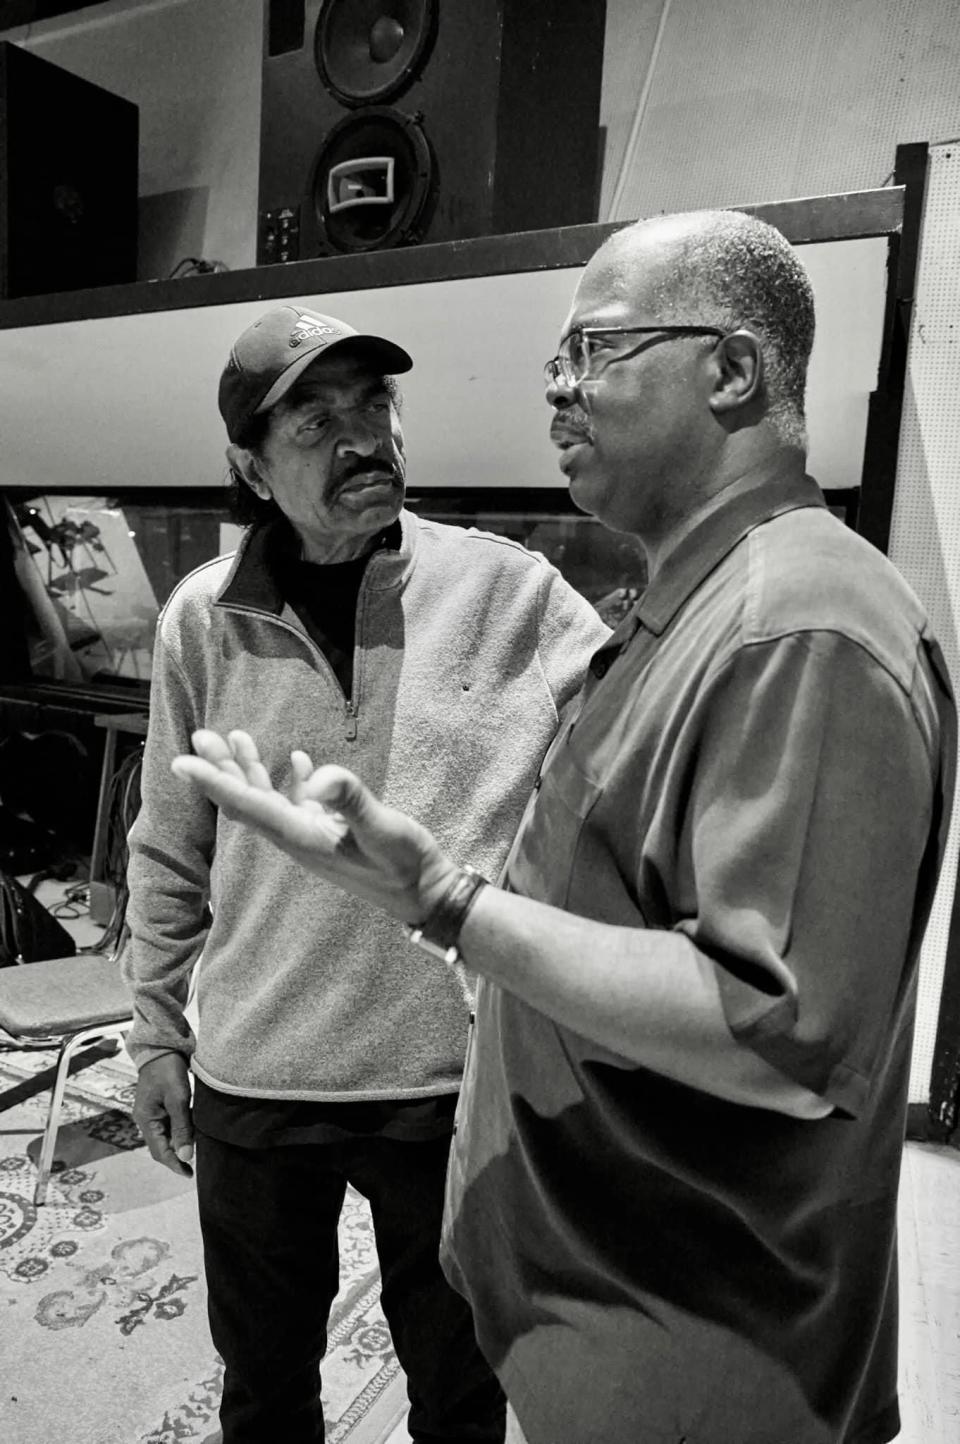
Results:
x,y
102,1303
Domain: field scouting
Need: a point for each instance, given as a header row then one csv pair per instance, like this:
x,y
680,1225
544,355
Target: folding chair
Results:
x,y
76,1002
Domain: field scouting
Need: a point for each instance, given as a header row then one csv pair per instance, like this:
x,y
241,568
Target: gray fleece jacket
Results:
x,y
467,648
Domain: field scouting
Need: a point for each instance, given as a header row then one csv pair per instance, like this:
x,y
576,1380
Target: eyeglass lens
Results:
x,y
571,362
574,357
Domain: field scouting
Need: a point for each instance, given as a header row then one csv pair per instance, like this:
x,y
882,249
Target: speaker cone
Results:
x,y
374,183
367,51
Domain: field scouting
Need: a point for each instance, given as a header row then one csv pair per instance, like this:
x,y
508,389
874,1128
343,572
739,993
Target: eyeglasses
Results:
x,y
572,362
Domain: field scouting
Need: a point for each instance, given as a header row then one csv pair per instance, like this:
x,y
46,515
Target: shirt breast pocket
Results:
x,y
550,842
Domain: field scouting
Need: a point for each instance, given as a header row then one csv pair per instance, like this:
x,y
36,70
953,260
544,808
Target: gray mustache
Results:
x,y
564,433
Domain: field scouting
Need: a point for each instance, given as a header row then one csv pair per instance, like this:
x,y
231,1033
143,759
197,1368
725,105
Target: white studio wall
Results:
x,y
727,103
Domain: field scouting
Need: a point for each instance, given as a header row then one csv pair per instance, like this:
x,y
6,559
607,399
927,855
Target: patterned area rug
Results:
x,y
103,1327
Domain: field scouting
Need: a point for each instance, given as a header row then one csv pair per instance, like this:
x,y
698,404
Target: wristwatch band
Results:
x,y
439,933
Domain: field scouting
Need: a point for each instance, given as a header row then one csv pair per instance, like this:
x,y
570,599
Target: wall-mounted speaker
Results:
x,y
68,179
393,122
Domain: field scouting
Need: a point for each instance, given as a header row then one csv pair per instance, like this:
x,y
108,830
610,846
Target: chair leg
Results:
x,y
67,1049
70,1045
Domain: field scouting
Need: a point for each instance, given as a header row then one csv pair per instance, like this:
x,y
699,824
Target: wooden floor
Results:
x,y
929,1298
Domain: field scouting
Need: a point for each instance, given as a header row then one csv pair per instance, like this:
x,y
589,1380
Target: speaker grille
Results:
x,y
374,182
368,51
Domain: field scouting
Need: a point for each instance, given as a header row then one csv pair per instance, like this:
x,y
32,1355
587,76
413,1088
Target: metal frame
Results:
x,y
84,1033
72,1043
879,475
938,1120
943,1111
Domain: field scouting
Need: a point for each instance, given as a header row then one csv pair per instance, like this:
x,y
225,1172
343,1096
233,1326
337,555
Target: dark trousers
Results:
x,y
269,1222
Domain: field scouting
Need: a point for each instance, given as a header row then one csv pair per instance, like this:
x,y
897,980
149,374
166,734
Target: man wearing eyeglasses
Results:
x,y
672,1196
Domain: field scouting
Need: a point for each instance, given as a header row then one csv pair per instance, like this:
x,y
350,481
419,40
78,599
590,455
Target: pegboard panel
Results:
x,y
764,98
925,527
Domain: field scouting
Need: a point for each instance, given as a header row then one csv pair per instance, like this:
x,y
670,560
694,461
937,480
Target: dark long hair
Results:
x,y
246,508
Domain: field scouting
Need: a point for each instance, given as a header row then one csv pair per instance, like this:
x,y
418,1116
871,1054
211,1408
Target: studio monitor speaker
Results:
x,y
68,179
392,122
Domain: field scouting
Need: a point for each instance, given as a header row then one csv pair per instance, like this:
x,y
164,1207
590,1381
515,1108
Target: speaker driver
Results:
x,y
374,183
369,50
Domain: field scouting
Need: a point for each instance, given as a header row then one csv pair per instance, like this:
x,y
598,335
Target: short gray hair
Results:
x,y
732,270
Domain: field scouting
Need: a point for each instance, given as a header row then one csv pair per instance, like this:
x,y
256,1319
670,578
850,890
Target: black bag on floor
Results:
x,y
28,932
25,846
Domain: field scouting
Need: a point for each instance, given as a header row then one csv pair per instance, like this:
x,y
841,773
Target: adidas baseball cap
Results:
x,y
267,359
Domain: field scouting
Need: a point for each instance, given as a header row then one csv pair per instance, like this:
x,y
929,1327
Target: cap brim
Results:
x,y
386,356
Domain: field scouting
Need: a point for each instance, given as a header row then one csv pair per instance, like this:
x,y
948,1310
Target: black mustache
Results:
x,y
369,467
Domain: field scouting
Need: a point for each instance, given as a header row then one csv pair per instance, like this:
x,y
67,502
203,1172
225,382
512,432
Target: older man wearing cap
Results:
x,y
434,662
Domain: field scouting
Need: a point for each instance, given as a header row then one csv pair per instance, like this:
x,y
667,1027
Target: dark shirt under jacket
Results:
x,y
324,597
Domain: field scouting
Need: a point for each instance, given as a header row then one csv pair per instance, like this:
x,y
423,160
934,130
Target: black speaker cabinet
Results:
x,y
393,122
68,179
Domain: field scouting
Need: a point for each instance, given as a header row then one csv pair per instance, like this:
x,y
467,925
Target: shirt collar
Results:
x,y
744,506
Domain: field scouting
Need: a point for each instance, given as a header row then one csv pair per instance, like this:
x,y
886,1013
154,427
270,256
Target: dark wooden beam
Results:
x,y
852,216
848,216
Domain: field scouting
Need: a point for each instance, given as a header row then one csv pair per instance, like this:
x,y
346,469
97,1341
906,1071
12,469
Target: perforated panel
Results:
x,y
925,531
762,98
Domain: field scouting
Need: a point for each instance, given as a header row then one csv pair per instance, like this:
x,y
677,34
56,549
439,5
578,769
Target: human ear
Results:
x,y
244,463
739,372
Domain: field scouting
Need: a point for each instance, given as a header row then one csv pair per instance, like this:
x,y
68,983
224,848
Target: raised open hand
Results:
x,y
330,824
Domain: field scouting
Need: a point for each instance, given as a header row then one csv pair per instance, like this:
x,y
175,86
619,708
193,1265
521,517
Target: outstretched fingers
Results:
x,y
216,750
244,751
331,823
236,755
291,827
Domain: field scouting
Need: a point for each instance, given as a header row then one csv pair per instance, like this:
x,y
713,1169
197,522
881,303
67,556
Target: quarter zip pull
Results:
x,y
350,722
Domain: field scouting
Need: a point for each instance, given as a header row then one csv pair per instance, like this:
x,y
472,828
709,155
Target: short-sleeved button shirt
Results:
x,y
762,758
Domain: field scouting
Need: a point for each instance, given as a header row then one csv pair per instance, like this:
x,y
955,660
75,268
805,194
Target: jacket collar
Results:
x,y
253,580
